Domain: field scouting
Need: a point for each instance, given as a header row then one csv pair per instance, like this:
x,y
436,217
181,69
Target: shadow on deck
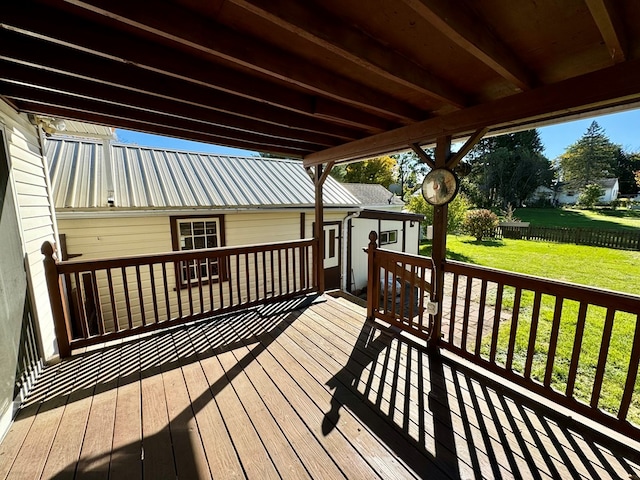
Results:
x,y
292,391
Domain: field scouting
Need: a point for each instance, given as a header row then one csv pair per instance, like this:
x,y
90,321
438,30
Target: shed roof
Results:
x,y
84,173
331,80
372,194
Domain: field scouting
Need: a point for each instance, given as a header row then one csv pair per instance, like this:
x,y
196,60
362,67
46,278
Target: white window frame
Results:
x,y
388,237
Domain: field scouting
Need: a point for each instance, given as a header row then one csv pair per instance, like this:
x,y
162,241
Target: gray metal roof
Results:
x,y
84,173
373,194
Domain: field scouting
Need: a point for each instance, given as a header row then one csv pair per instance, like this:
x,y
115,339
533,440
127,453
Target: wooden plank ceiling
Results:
x,y
322,80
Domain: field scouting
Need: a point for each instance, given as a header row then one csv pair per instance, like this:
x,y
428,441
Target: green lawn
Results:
x,y
621,219
599,267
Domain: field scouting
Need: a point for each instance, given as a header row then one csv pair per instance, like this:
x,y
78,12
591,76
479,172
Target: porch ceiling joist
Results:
x,y
211,38
471,33
616,85
315,78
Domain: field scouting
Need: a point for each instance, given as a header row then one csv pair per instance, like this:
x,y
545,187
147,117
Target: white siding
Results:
x,y
34,209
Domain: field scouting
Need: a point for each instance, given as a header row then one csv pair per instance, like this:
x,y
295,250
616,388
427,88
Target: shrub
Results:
x,y
590,195
480,223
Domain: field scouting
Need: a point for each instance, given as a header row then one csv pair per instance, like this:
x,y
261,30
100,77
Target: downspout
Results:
x,y
346,232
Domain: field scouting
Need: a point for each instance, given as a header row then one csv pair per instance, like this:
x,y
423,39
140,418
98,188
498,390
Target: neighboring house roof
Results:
x,y
607,182
84,173
373,194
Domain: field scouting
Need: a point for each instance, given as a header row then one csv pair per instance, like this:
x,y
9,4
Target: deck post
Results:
x,y
439,248
58,307
320,175
373,275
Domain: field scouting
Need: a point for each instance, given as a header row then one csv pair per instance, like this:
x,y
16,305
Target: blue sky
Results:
x,y
621,128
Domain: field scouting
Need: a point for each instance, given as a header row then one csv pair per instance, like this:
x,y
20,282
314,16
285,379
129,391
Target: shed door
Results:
x,y
332,255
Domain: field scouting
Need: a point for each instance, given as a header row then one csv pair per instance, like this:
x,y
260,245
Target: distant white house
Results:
x,y
568,196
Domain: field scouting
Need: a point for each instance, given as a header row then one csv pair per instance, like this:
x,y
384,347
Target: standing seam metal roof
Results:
x,y
145,177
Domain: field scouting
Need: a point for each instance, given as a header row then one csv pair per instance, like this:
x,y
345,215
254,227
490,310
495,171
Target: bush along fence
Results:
x,y
619,239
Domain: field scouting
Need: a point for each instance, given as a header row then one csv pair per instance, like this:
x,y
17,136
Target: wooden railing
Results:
x,y
399,288
576,345
100,300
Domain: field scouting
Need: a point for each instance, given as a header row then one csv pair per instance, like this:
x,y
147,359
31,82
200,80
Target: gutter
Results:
x,y
345,235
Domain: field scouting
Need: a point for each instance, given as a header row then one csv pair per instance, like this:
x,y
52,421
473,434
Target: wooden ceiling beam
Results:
x,y
113,110
140,126
108,44
55,58
471,34
607,17
174,24
593,91
76,87
309,21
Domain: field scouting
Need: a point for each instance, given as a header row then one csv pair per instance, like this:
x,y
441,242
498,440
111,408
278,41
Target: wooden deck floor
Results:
x,y
292,392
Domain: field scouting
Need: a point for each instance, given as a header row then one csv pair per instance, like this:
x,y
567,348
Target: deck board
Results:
x,y
293,392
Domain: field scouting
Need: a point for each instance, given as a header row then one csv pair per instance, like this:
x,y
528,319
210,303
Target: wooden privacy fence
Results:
x,y
398,288
576,345
99,300
619,239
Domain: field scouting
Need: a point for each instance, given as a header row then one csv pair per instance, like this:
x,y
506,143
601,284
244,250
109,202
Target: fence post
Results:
x,y
373,277
58,310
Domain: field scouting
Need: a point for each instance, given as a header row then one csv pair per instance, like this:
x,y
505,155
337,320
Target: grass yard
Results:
x,y
621,219
598,267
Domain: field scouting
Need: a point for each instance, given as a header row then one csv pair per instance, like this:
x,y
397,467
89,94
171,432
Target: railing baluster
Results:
x,y
295,270
286,265
199,277
166,290
210,262
602,358
179,285
84,325
98,303
264,274
553,341
190,285
412,299
127,300
465,316
238,281
154,296
255,274
140,295
480,326
577,348
533,334
247,276
112,298
513,328
496,323
632,374
454,303
279,272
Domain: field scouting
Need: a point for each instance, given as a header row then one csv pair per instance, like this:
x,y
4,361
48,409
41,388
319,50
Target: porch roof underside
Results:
x,y
336,80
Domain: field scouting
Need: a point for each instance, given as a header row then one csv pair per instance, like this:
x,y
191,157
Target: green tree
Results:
x,y
375,170
627,165
409,172
455,216
507,169
589,195
590,159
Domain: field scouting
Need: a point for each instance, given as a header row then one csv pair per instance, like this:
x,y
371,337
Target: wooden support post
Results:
x,y
373,281
319,178
439,248
56,297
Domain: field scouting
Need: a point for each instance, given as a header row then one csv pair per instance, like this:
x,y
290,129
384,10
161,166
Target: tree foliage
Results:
x,y
456,211
590,159
627,166
507,169
409,172
378,170
589,195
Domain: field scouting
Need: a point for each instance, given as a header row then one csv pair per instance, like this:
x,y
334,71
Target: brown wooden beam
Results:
x,y
106,73
422,155
86,89
309,21
114,110
607,17
107,43
101,118
439,244
616,85
466,148
176,25
470,33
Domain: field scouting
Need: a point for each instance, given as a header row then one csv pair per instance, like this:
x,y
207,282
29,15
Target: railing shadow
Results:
x,y
445,420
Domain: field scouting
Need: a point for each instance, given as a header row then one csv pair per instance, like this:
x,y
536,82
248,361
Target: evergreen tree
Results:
x,y
590,159
507,169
